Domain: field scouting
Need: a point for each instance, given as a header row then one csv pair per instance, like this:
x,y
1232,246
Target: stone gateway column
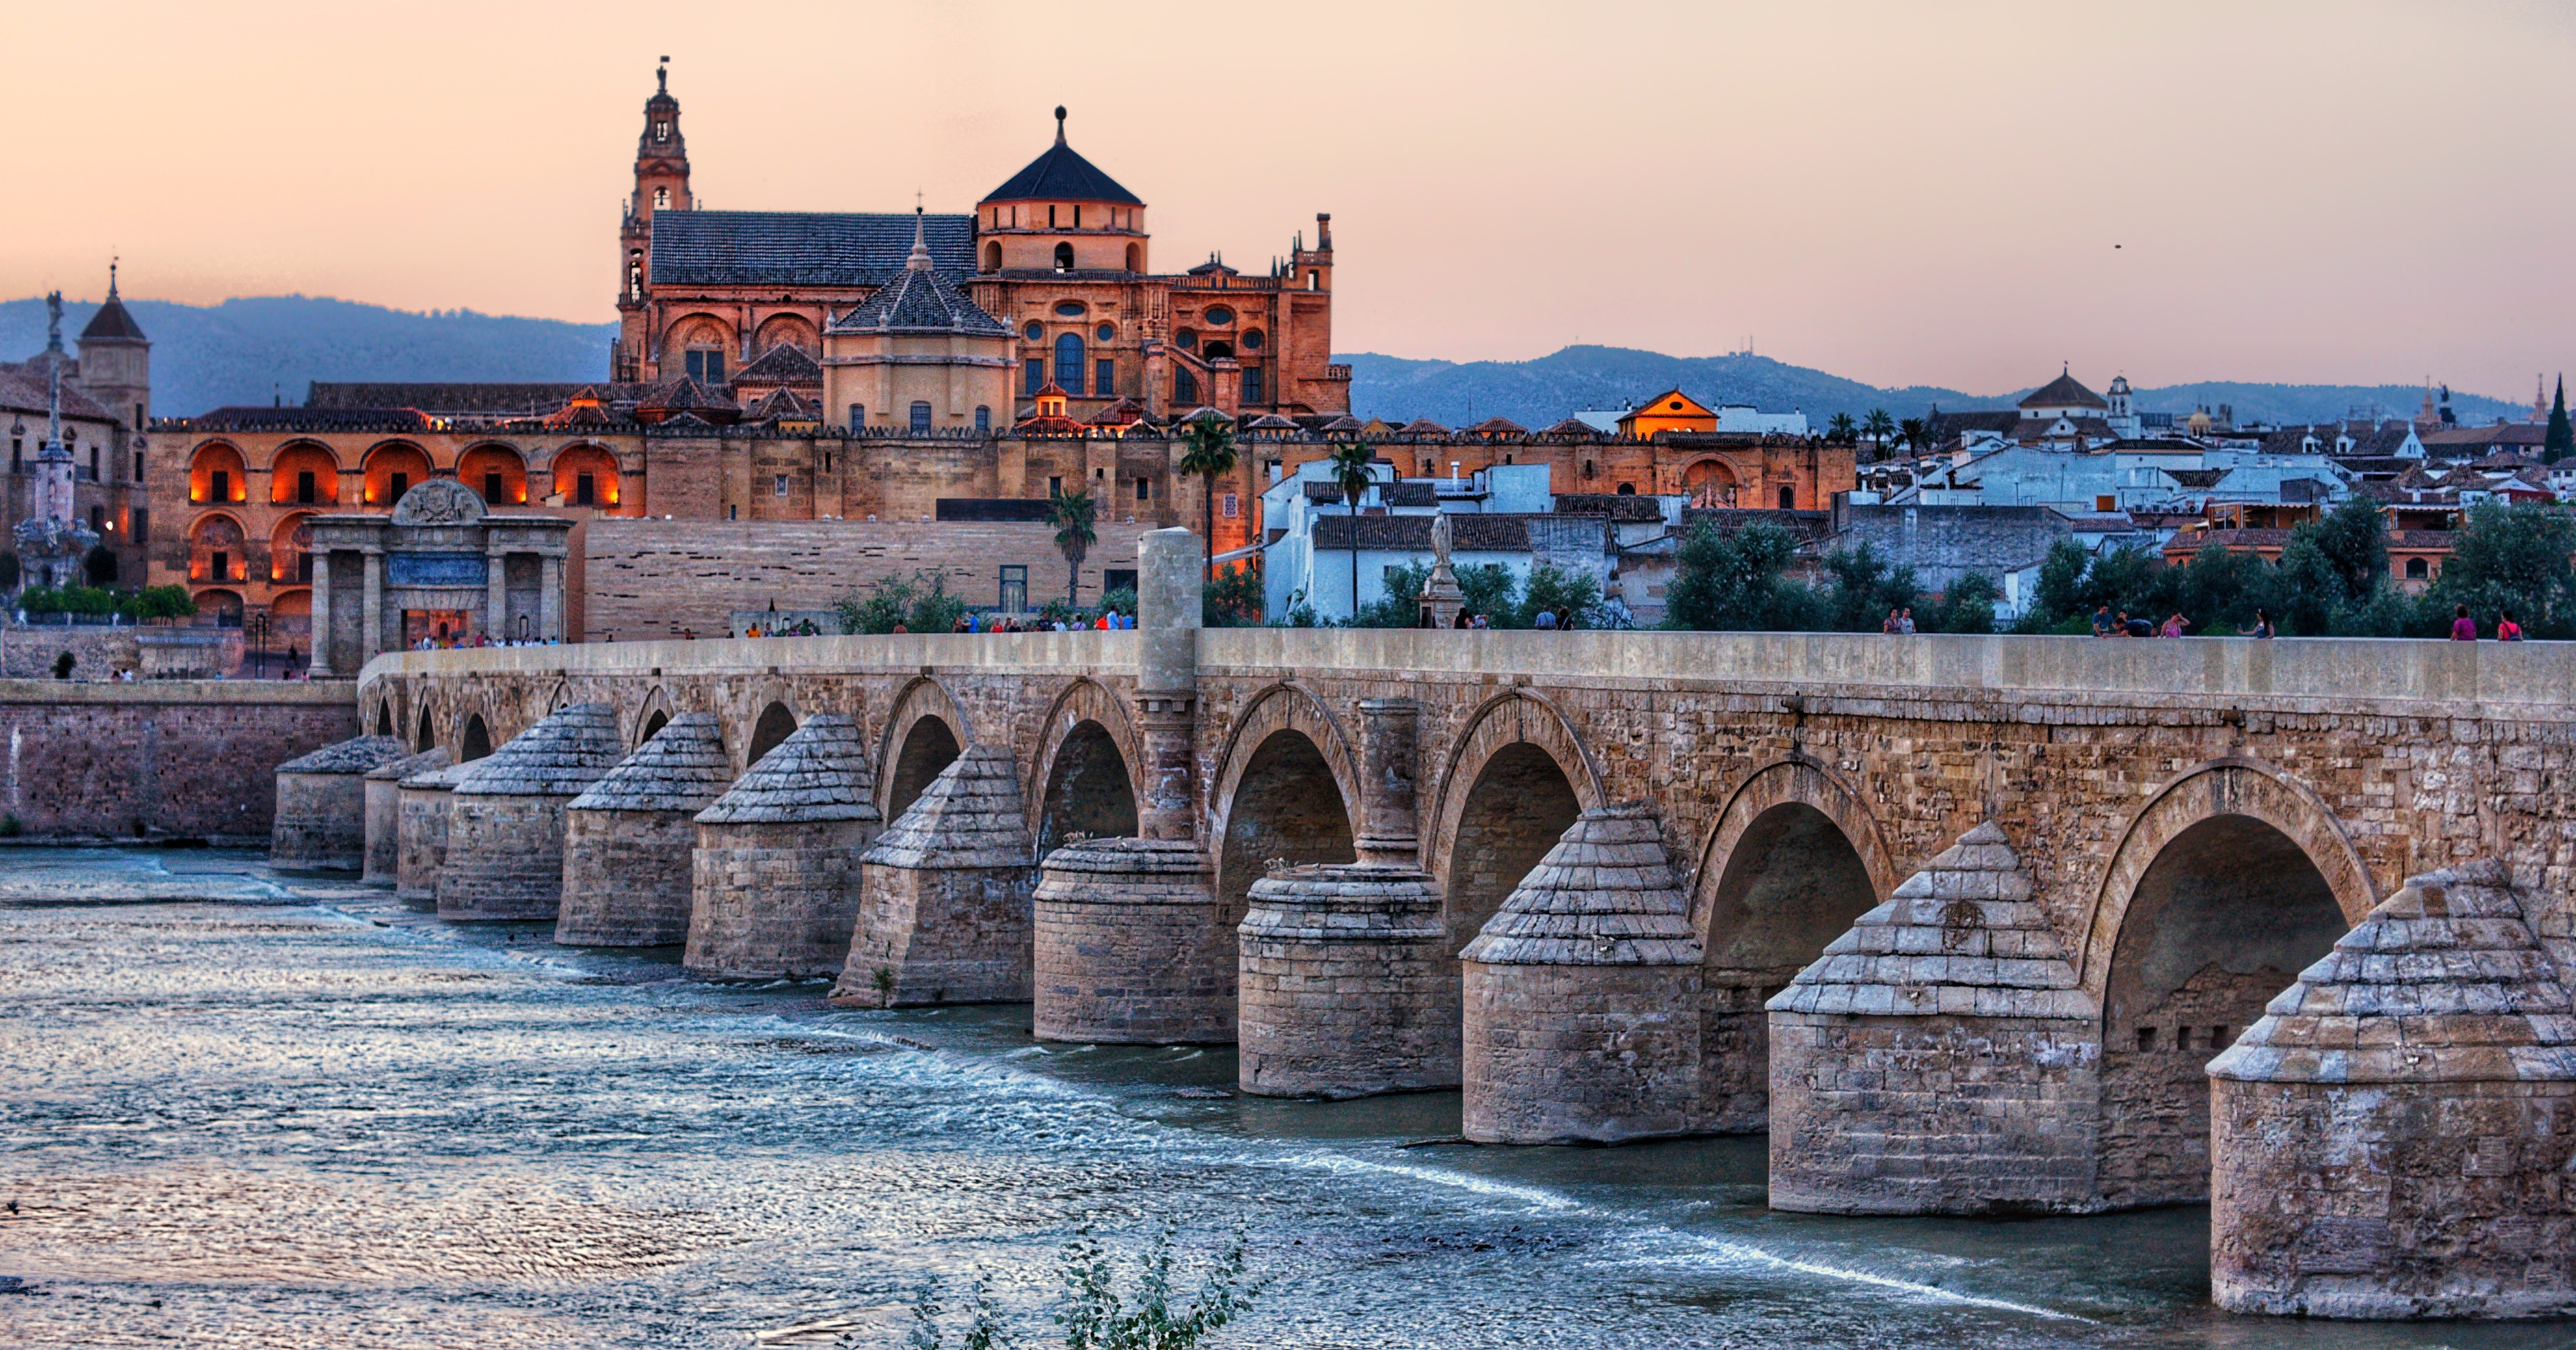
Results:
x,y
2396,1137
1129,945
505,833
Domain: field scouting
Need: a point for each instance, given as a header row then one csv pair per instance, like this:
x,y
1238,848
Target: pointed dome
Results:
x,y
358,754
558,757
1063,176
1962,937
1604,896
427,761
2442,983
819,773
920,300
969,816
682,768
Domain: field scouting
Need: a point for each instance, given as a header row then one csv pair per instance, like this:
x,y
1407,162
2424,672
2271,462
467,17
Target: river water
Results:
x,y
295,1114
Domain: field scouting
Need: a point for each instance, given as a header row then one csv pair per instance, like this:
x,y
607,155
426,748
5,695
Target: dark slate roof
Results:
x,y
1631,508
1417,492
785,363
111,321
920,302
353,756
1468,533
1063,176
2064,392
253,417
791,248
24,389
527,398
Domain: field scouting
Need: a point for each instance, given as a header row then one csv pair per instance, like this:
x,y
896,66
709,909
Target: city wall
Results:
x,y
158,758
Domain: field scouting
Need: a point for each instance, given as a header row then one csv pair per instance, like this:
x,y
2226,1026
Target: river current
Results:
x,y
247,1112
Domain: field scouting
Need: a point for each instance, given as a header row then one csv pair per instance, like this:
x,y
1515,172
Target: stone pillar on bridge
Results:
x,y
1939,1058
505,830
1348,985
944,894
384,812
1130,946
629,840
321,819
1581,1019
421,852
2396,1136
775,878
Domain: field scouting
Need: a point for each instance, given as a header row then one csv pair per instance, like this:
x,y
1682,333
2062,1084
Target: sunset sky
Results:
x,y
1953,194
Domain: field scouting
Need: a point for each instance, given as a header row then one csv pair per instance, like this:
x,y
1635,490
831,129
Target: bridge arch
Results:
x,y
652,714
473,738
1515,779
424,733
924,731
1085,780
1287,788
776,722
1793,858
2228,882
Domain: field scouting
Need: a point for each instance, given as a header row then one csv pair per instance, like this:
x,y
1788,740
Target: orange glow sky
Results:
x,y
1901,193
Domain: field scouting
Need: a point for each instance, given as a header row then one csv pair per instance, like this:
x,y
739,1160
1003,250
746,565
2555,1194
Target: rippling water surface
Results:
x,y
306,1115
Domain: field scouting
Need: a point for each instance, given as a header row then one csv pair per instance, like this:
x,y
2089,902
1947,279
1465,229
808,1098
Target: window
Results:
x,y
983,419
1077,215
1104,377
729,511
17,451
93,464
493,488
1068,362
1050,216
1068,309
139,521
661,199
778,485
98,520
219,484
1788,497
2417,569
1276,469
1117,579
706,366
304,567
1218,316
1314,280
920,417
1013,595
827,461
858,417
396,485
1587,468
1252,340
138,466
1187,339
1144,489
661,130
1033,332
1627,489
304,491
1185,386
1064,257
1033,374
2106,503
1106,332
585,490
993,251
1252,384
220,565
138,417
1233,506
1055,487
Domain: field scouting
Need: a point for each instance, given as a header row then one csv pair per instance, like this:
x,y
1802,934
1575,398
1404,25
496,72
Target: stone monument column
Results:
x,y
320,667
371,619
496,594
550,597
1390,835
1441,598
1169,566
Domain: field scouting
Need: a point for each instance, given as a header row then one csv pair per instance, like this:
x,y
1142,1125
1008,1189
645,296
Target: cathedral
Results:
x,y
1049,280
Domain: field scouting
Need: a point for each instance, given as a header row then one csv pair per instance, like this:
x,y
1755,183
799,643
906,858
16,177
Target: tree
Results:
x,y
1734,582
1351,461
1967,606
1072,514
2354,541
2059,594
1487,589
1916,433
2514,557
1878,426
1235,599
2562,437
1550,588
1842,430
1210,456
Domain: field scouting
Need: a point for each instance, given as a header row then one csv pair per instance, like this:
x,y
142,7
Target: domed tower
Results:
x,y
661,184
1061,214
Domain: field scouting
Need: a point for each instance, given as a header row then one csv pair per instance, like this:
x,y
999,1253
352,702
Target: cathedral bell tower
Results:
x,y
661,184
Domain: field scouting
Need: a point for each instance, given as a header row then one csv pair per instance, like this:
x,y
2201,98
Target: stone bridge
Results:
x,y
1962,922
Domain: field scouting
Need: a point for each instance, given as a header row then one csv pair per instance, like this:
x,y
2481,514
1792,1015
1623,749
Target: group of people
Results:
x,y
1107,621
2174,626
1546,620
792,628
2465,629
460,642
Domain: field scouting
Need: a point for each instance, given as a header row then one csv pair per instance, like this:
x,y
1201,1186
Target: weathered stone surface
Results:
x,y
384,812
1346,984
1581,994
321,819
505,832
1130,949
1939,1058
945,894
774,879
628,839
422,802
2396,1136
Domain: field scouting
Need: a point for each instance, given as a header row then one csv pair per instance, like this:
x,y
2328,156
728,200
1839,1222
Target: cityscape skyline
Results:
x,y
2306,194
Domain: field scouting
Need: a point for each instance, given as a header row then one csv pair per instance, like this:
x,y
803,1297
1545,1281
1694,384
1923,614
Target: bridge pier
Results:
x,y
2396,1136
1939,1058
1582,995
944,909
384,813
629,840
321,819
775,878
505,831
423,801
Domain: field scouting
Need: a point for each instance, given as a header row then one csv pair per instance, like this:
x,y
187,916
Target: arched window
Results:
x,y
1135,258
2417,569
920,417
1068,363
1627,489
1064,257
983,418
1069,309
993,256
1185,387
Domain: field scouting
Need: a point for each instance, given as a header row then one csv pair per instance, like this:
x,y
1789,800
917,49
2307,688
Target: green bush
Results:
x,y
1094,1313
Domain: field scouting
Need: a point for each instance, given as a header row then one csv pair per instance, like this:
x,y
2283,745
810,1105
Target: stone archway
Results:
x,y
425,735
2227,884
1332,771
924,730
776,723
651,715
1515,781
1069,755
475,741
1793,859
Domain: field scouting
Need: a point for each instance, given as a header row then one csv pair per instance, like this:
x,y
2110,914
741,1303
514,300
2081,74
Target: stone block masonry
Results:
x,y
167,758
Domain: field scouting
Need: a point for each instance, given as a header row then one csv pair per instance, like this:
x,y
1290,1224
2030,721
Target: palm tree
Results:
x,y
1842,429
1072,514
1211,457
1916,433
1351,463
1878,426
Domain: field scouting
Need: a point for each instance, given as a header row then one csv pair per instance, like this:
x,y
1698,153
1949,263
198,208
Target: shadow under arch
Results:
x,y
776,723
1514,781
475,741
1085,780
924,731
1793,858
425,735
651,715
2225,885
1289,791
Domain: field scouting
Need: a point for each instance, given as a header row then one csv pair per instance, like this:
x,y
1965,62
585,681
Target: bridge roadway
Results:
x,y
2059,876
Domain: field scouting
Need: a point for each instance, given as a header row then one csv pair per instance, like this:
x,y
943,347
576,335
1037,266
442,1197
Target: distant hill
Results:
x,y
248,351
1549,389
